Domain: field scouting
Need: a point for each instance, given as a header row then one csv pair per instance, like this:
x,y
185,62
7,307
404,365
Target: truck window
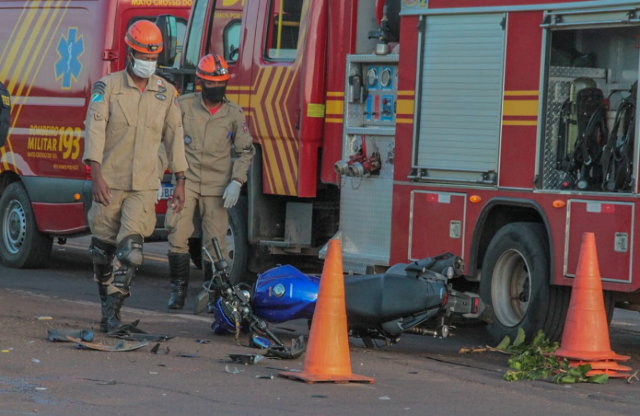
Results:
x,y
283,29
232,40
182,29
194,41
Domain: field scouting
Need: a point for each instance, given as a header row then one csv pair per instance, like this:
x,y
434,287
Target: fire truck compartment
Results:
x,y
427,237
594,51
460,82
612,222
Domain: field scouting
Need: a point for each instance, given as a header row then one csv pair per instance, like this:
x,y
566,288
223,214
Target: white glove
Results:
x,y
231,194
159,191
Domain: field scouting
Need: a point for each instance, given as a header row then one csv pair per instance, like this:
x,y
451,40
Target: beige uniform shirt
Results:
x,y
207,143
124,128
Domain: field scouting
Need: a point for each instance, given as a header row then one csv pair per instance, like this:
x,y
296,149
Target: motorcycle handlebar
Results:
x,y
216,247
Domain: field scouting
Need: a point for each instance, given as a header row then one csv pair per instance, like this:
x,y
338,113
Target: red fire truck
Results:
x,y
50,55
500,130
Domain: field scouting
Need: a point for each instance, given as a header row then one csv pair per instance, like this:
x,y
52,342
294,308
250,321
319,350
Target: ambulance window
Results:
x,y
194,41
232,40
182,29
283,29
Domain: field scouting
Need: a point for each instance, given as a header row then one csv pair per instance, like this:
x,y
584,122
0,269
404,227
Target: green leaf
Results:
x,y
538,340
567,380
504,344
557,377
584,369
599,379
576,372
520,338
546,373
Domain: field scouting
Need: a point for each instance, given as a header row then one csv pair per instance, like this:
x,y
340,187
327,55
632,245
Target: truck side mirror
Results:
x,y
169,29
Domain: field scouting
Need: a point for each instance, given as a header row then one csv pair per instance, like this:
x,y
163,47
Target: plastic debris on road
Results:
x,y
384,398
43,318
230,371
35,360
246,359
62,335
269,377
122,346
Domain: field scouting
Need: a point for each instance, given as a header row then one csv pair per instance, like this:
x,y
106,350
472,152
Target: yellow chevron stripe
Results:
x,y
277,138
520,93
404,120
42,59
42,38
11,58
278,104
406,92
291,144
16,26
334,120
17,45
18,72
335,94
335,107
520,108
405,107
272,163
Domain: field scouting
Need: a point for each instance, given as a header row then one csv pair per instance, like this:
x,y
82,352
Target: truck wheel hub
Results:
x,y
15,227
511,288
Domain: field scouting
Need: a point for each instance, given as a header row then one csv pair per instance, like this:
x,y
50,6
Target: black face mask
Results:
x,y
214,95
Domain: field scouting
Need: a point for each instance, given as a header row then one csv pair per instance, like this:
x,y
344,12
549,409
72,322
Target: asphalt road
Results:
x,y
419,376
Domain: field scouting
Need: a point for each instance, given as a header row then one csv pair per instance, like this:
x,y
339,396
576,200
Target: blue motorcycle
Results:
x,y
412,298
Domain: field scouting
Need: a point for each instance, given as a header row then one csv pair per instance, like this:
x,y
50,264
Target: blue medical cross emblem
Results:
x,y
69,65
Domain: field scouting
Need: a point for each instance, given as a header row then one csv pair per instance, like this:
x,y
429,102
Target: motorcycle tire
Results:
x,y
516,283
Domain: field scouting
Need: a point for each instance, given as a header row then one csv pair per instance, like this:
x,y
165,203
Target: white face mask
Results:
x,y
143,69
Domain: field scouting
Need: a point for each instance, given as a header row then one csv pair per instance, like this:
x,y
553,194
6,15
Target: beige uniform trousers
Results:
x,y
130,212
215,222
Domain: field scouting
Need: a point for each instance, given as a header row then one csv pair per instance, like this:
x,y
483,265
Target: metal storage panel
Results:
x,y
461,95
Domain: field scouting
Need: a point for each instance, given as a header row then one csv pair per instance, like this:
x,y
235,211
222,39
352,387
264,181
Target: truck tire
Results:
x,y
516,284
237,254
22,246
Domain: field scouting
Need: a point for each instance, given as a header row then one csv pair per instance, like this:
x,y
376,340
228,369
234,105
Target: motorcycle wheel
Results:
x,y
516,284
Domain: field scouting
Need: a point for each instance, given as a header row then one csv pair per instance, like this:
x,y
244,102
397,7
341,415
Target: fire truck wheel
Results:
x,y
516,283
237,251
21,244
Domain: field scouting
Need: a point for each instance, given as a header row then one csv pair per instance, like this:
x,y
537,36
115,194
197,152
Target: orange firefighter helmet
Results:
x,y
213,67
143,36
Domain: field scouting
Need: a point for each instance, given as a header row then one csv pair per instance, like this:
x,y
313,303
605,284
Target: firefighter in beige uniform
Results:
x,y
129,114
211,124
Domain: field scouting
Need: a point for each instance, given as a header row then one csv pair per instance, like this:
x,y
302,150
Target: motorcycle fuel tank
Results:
x,y
285,293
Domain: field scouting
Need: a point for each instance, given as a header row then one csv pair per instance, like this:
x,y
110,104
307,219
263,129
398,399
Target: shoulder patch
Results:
x,y
96,98
175,101
244,126
99,88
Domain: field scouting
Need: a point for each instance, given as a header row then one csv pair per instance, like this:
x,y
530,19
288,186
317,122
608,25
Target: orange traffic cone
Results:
x,y
610,368
327,357
586,335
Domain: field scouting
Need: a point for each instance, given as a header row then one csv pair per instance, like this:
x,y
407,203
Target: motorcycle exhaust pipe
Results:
x,y
341,168
454,262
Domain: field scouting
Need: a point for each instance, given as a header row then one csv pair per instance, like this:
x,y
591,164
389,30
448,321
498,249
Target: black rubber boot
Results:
x,y
179,270
208,276
114,303
102,254
102,290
